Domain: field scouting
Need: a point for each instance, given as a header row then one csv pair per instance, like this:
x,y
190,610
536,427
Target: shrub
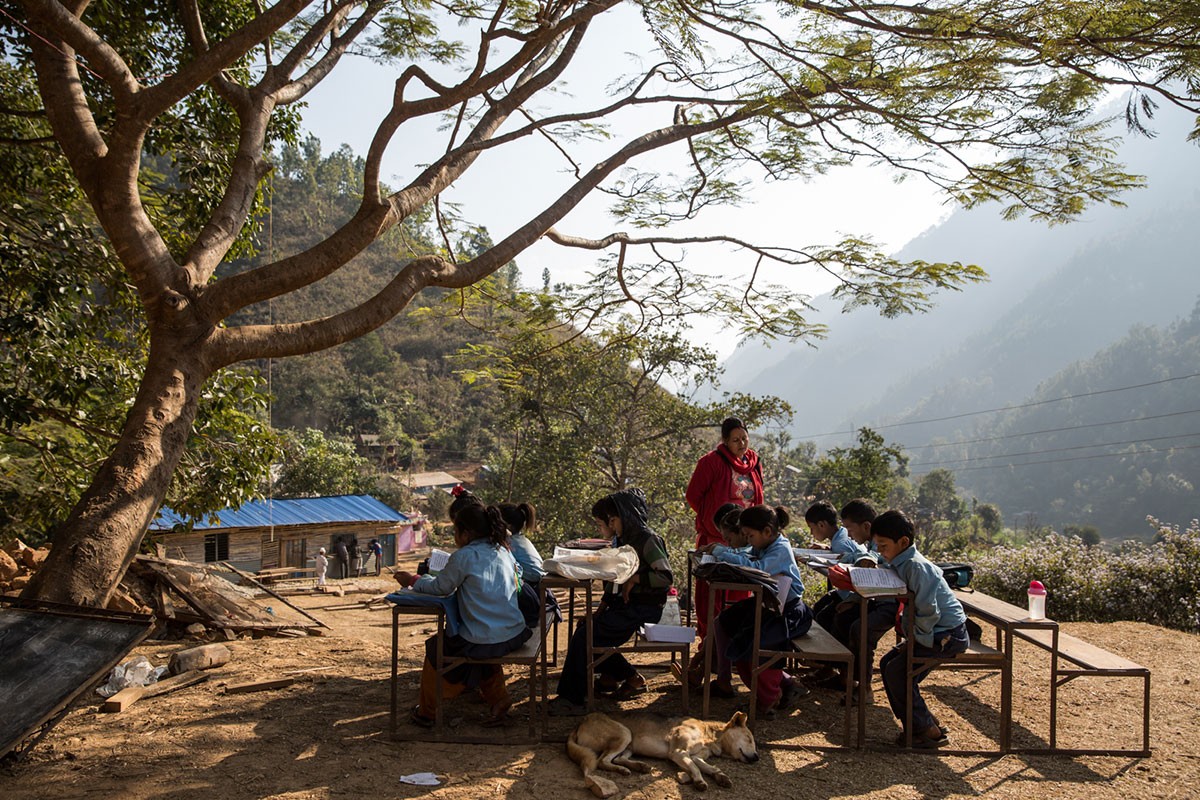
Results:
x,y
1156,583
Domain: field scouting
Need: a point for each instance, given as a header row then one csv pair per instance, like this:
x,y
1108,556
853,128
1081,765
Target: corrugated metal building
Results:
x,y
268,534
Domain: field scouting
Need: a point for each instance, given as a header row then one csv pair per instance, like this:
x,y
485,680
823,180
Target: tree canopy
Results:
x,y
165,114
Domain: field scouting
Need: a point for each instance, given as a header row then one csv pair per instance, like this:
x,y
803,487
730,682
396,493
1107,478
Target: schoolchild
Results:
x,y
622,516
822,521
726,521
483,575
939,625
322,564
772,553
521,518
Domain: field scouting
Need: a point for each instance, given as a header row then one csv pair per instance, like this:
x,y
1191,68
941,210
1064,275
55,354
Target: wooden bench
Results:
x,y
818,645
531,654
977,656
1093,661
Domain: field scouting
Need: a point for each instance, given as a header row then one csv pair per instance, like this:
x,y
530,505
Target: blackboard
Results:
x,y
48,657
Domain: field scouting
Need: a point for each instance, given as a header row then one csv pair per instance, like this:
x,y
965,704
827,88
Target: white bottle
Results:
x,y
1037,600
670,614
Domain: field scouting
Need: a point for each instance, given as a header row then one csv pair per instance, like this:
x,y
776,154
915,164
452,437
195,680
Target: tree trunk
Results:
x,y
94,546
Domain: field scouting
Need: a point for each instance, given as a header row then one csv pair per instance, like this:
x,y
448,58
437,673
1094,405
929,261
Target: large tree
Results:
x,y
987,98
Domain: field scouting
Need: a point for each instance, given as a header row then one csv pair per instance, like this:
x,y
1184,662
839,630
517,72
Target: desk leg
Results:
x,y
864,665
395,667
1054,689
590,631
754,655
710,644
1006,693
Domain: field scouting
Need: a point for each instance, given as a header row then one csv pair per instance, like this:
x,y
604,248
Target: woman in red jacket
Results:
x,y
728,474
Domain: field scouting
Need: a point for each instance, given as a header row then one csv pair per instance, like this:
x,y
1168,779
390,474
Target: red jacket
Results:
x,y
712,486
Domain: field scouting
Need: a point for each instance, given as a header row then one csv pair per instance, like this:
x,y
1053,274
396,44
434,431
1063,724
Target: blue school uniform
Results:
x,y
939,629
737,621
528,557
485,577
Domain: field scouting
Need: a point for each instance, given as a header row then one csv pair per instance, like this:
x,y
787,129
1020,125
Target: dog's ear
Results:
x,y
738,720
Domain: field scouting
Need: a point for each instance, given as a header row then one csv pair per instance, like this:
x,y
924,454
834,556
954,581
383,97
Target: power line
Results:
x,y
1053,450
1052,430
1005,408
1083,458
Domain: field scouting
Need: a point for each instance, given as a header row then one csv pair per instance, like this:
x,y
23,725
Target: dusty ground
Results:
x,y
327,735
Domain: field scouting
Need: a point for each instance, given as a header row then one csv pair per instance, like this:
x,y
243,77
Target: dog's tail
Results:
x,y
587,759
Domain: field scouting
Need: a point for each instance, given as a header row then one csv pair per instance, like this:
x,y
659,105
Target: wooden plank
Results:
x,y
278,597
1085,654
259,686
123,699
180,681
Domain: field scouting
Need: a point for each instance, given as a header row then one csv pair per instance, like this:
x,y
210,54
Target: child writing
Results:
x,y
939,625
772,553
483,574
622,516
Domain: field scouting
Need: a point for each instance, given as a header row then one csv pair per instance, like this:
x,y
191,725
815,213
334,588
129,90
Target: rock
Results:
x,y
15,547
120,601
8,567
19,582
34,558
196,629
206,656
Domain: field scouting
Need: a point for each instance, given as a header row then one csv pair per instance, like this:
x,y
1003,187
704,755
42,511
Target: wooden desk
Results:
x,y
1008,619
596,655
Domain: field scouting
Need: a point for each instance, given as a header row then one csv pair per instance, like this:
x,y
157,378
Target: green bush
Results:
x,y
1156,583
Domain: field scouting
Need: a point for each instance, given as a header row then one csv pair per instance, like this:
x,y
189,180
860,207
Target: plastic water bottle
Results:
x,y
1037,600
670,615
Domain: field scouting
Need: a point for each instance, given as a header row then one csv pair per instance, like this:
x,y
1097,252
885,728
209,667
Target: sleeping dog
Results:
x,y
600,742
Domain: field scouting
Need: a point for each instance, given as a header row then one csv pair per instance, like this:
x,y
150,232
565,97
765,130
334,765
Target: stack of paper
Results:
x,y
675,634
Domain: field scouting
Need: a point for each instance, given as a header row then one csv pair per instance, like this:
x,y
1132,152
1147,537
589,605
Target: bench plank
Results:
x,y
819,643
1085,654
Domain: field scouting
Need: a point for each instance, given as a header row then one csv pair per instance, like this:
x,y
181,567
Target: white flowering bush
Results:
x,y
1158,583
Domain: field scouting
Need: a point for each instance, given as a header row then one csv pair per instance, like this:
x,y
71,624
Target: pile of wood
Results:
x,y
186,597
218,596
18,562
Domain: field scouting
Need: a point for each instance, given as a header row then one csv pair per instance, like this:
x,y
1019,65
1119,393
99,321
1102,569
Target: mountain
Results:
x,y
1056,296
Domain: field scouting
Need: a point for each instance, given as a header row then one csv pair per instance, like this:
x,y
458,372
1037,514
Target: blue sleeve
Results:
x,y
448,580
733,556
926,612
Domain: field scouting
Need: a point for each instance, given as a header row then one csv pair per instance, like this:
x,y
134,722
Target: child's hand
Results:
x,y
405,579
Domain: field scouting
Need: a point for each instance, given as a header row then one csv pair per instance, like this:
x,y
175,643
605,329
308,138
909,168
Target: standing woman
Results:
x,y
728,474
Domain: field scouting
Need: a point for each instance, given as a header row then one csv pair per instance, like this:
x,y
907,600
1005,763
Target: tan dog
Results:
x,y
602,742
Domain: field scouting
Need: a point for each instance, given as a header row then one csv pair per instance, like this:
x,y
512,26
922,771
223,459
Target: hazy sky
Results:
x,y
503,189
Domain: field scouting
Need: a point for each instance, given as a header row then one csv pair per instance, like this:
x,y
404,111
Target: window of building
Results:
x,y
216,547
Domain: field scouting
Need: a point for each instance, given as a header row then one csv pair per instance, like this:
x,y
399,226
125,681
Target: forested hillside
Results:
x,y
1058,302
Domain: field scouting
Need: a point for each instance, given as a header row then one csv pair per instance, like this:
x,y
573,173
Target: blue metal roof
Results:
x,y
280,513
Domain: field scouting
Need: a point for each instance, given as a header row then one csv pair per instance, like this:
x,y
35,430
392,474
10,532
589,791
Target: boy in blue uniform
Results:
x,y
939,624
822,521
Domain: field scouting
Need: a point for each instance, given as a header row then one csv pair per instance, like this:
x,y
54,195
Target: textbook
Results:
x,y
674,634
437,560
876,582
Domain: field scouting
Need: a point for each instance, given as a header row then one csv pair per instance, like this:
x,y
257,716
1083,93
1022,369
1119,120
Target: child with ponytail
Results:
x,y
483,574
772,553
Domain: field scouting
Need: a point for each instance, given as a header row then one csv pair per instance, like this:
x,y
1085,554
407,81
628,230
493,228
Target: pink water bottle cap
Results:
x,y
673,592
1036,587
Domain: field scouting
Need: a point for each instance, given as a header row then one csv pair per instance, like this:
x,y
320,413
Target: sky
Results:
x,y
502,190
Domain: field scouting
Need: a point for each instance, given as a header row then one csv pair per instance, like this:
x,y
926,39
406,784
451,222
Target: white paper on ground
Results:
x,y
421,779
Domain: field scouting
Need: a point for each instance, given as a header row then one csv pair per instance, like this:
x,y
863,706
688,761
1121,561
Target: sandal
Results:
x,y
562,707
421,721
606,686
723,692
631,688
793,690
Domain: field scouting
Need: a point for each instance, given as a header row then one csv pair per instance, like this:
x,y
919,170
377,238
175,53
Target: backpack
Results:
x,y
956,574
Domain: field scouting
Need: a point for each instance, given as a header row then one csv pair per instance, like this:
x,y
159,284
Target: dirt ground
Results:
x,y
327,735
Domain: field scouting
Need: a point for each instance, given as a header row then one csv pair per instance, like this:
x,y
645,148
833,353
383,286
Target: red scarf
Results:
x,y
745,465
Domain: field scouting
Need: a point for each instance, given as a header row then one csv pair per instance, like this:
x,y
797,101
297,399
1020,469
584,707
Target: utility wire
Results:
x,y
1052,430
1052,450
1084,458
1032,404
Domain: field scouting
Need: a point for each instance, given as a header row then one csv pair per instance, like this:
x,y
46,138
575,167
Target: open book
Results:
x,y
437,560
876,582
